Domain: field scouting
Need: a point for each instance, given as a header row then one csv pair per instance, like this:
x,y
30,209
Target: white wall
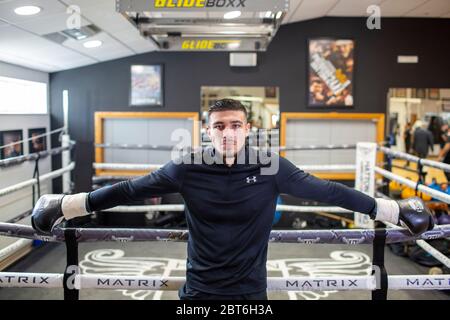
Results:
x,y
19,202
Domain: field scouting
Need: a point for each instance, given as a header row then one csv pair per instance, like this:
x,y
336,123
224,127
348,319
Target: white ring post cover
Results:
x,y
365,178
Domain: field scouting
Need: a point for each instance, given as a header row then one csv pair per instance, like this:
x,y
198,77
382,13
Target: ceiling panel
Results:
x,y
36,51
352,8
310,9
110,22
397,8
49,24
49,7
293,4
431,8
135,41
110,47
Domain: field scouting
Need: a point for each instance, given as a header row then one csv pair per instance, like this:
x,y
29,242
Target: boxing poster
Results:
x,y
330,72
146,85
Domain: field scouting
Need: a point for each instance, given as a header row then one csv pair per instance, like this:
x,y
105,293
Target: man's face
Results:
x,y
316,87
228,131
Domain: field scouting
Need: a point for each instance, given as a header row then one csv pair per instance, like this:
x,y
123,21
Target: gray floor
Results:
x,y
139,258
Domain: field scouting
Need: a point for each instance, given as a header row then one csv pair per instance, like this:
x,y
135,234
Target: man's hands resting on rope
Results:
x,y
52,209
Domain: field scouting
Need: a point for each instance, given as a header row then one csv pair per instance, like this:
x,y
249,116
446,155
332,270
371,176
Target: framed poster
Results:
x,y
421,93
270,92
146,85
433,93
400,92
330,75
445,105
38,142
11,136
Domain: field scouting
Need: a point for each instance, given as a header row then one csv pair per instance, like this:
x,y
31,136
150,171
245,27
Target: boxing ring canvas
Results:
x,y
329,129
141,128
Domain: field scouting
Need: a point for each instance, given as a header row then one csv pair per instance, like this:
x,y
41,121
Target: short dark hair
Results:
x,y
227,105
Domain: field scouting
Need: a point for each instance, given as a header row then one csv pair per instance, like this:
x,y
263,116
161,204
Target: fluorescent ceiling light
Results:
x,y
92,44
234,45
232,32
27,10
232,15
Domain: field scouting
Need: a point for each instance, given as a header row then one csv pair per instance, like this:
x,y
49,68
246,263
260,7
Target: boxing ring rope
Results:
x,y
434,193
34,181
29,139
135,166
337,236
35,156
409,157
12,248
274,148
342,283
180,208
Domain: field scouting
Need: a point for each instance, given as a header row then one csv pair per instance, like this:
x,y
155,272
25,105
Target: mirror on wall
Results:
x,y
412,108
262,104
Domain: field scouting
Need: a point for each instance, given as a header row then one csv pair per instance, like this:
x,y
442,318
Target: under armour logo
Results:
x,y
251,179
416,205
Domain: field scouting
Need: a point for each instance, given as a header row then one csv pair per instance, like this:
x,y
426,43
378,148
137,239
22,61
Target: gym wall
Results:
x,y
105,86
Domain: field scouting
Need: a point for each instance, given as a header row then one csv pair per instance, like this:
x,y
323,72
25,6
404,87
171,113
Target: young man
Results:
x,y
230,197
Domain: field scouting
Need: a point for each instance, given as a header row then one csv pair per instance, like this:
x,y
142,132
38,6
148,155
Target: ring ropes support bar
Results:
x,y
135,166
409,157
33,181
434,193
337,236
180,207
341,283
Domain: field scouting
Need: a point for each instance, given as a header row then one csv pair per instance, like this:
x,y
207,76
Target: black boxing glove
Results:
x,y
411,213
52,209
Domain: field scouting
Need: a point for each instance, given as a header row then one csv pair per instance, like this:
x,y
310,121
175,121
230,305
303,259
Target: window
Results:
x,y
22,96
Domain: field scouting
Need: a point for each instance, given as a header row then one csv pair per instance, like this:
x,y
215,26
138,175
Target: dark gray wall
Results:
x,y
105,86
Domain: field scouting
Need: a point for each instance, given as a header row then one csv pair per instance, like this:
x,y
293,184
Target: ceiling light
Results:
x,y
232,15
279,14
27,10
268,14
234,45
92,44
232,32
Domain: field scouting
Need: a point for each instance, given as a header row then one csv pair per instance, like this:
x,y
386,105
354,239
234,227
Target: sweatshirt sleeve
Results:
x,y
293,181
168,179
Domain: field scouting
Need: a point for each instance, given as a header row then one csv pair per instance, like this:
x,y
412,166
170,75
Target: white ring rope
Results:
x,y
409,157
191,148
331,167
14,247
125,166
180,207
135,166
427,247
342,283
34,181
434,193
29,139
